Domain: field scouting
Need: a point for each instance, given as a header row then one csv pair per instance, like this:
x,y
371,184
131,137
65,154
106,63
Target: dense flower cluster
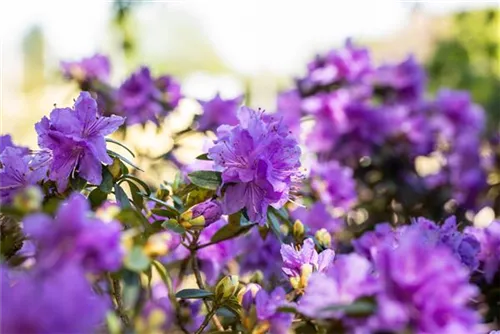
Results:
x,y
260,161
245,239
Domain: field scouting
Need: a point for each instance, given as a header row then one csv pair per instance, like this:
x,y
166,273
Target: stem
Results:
x,y
201,285
206,321
115,290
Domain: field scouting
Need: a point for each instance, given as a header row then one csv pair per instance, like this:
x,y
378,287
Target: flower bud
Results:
x,y
246,296
115,169
162,194
298,230
227,287
324,238
29,199
257,277
202,214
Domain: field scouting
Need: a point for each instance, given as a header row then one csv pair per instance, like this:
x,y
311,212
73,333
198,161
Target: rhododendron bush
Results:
x,y
247,239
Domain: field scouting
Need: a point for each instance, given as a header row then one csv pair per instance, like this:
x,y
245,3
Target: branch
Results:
x,y
115,290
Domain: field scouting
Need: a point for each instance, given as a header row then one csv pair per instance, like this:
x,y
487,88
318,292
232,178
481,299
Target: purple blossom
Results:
x,y
289,109
56,301
273,321
260,254
170,90
489,239
76,139
96,67
370,242
424,287
74,235
401,83
6,141
19,170
348,278
299,264
218,111
259,161
334,184
318,217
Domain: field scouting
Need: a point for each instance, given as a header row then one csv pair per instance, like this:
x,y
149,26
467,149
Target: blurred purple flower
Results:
x,y
334,184
18,169
218,111
96,67
424,287
489,239
318,217
170,90
267,311
76,139
260,254
55,301
289,109
74,235
348,278
259,161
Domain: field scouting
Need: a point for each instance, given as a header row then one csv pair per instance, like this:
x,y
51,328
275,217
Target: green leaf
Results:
x,y
162,271
274,225
136,260
168,212
143,184
206,179
203,157
358,308
110,140
122,158
131,288
97,197
77,183
174,227
230,231
122,197
136,195
107,181
194,294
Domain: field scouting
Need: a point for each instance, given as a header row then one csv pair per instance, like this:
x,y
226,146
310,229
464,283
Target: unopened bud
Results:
x,y
298,230
202,214
257,277
324,238
246,296
29,199
227,287
162,194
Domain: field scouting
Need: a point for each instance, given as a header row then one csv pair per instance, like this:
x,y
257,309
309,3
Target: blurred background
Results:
x,y
234,47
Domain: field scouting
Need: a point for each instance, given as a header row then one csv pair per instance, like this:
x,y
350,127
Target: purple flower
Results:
x,y
74,235
289,109
55,301
318,217
370,242
349,64
298,265
76,139
334,184
489,239
350,277
259,161
19,170
260,253
6,141
270,319
401,83
218,112
96,67
170,90
424,287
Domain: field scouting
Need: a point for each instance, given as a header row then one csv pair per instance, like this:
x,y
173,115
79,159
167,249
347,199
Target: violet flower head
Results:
x,y
18,170
259,162
409,276
334,185
270,319
371,242
170,90
260,254
298,265
51,302
96,67
74,235
76,139
350,277
6,141
218,111
318,217
401,83
288,107
489,239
